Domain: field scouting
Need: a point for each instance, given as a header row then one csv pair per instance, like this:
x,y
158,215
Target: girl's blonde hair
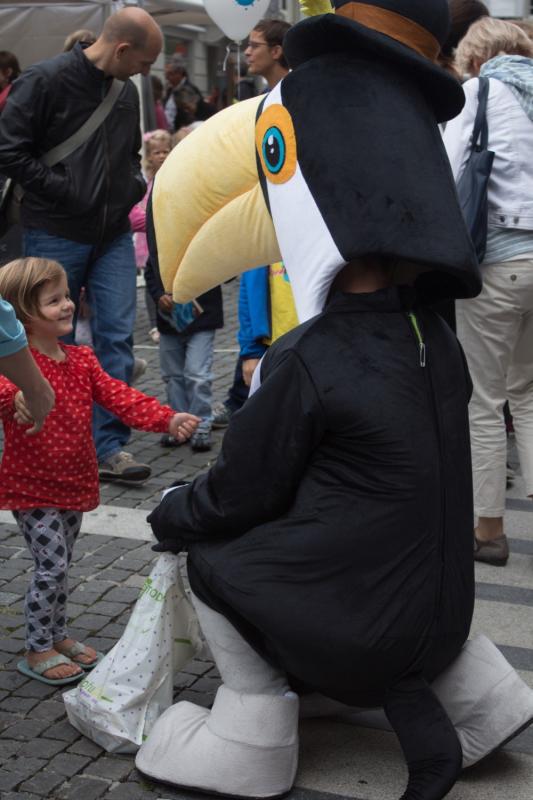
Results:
x,y
151,138
22,280
487,38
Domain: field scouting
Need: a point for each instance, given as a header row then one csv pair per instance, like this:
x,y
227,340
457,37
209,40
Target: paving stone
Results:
x,y
135,580
11,679
9,780
98,585
82,788
130,791
84,747
19,796
97,562
9,572
114,630
124,503
40,748
35,689
10,748
25,766
183,680
108,609
121,594
43,783
50,710
10,622
84,597
25,729
17,586
97,539
7,598
116,575
113,769
9,646
75,609
62,730
103,645
126,544
15,562
68,764
18,705
91,622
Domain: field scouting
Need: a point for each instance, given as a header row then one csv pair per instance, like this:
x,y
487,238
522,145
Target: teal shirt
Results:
x,y
12,333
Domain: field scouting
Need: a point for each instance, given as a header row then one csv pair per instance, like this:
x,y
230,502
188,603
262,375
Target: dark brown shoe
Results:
x,y
495,552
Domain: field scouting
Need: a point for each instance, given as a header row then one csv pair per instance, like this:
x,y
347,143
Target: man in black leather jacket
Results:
x,y
76,212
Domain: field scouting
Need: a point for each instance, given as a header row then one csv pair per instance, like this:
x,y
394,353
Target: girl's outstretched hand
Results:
x,y
182,426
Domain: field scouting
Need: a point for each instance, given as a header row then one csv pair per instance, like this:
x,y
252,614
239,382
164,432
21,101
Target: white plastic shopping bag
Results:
x,y
117,703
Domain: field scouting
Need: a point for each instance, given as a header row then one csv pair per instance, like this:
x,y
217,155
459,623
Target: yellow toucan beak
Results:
x,y
210,217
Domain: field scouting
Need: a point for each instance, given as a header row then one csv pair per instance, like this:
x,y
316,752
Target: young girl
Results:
x,y
48,480
157,146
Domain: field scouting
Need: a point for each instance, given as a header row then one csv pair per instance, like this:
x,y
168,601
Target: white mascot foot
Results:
x,y
485,698
246,746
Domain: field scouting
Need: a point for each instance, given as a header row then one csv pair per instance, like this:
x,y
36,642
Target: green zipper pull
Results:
x,y
418,334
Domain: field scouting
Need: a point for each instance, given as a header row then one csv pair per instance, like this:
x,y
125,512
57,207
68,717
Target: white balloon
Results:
x,y
236,18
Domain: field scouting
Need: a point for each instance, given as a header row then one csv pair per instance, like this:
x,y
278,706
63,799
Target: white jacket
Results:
x,y
511,139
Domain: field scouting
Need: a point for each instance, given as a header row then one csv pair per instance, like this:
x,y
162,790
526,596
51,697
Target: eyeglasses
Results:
x,y
254,45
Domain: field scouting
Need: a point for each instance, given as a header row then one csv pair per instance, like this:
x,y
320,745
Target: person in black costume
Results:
x,y
330,547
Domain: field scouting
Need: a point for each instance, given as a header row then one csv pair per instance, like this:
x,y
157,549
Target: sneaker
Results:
x,y
201,441
495,551
123,468
221,415
139,368
154,335
169,441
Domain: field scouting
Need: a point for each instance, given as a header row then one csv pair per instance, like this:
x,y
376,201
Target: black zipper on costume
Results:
x,y
417,330
418,333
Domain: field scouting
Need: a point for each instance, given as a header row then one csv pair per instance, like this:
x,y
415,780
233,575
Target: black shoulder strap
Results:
x,y
480,125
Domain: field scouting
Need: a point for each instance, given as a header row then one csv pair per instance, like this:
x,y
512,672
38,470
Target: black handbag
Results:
x,y
472,187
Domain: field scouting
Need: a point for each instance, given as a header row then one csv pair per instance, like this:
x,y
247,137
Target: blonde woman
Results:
x,y
496,328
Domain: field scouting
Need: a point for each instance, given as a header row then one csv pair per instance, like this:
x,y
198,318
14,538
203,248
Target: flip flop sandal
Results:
x,y
54,661
77,649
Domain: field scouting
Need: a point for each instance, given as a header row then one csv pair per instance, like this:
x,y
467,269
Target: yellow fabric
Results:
x,y
239,237
210,217
312,7
283,314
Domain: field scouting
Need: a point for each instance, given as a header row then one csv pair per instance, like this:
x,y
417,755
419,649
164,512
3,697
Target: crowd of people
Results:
x,y
70,140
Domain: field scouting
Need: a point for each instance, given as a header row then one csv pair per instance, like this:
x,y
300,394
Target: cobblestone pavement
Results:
x,y
42,756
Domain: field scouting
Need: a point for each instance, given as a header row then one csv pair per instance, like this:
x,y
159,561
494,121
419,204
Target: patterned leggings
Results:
x,y
50,534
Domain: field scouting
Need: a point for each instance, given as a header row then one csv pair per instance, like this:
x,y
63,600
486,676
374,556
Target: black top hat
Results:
x,y
408,33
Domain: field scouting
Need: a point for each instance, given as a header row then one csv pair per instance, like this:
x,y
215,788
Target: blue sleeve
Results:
x,y
251,330
12,334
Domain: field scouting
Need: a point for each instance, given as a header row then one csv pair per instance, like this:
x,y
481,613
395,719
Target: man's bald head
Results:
x,y
131,25
129,43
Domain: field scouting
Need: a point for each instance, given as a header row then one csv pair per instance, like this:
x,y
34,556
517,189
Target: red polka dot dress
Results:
x,y
57,467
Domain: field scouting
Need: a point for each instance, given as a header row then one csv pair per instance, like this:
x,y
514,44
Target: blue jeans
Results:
x,y
186,363
109,276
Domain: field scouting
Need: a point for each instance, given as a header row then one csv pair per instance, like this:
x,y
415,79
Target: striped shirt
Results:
x,y
508,244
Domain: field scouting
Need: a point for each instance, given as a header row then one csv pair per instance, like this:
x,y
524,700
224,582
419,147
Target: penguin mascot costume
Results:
x,y
330,548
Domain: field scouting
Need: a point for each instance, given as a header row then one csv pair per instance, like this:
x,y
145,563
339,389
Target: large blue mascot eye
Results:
x,y
274,150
